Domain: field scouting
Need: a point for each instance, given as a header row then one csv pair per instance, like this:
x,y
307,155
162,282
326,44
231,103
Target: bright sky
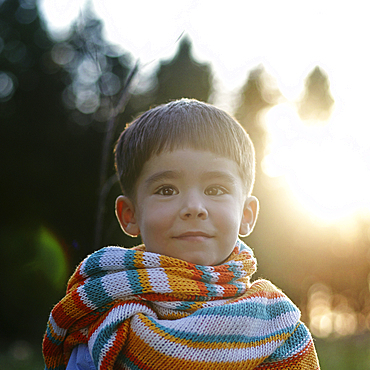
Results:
x,y
290,38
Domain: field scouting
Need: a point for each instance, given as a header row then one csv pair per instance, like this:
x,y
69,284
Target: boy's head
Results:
x,y
185,123
187,170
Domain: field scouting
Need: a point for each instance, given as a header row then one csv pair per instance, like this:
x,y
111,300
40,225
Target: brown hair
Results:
x,y
185,123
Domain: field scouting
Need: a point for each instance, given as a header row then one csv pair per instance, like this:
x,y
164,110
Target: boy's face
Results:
x,y
190,205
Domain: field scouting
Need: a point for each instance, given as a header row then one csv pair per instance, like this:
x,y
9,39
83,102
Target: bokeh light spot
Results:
x,y
109,84
87,101
62,54
26,15
27,4
330,314
6,86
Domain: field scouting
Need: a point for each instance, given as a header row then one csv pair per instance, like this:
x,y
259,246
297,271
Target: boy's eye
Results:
x,y
215,190
167,190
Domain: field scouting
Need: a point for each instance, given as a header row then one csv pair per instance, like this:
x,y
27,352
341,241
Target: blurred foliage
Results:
x,y
183,77
317,101
94,72
258,94
32,139
56,98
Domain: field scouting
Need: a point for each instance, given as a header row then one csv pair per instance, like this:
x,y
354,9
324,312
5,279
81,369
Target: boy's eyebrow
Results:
x,y
173,174
162,175
219,175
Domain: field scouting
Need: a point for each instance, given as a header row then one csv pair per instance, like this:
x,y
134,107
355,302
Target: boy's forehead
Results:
x,y
187,156
189,162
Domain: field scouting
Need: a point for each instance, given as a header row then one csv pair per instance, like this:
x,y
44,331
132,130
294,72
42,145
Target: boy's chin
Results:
x,y
203,259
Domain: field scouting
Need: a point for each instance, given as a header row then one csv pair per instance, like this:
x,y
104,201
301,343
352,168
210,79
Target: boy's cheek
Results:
x,y
155,222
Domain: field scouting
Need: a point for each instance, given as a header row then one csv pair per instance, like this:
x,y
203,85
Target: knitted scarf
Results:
x,y
141,310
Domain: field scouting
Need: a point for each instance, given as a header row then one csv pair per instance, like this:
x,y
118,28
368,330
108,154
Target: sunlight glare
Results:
x,y
324,166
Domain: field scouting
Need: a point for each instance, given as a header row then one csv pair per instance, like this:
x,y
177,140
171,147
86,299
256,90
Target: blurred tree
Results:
x,y
32,118
257,96
96,72
183,77
317,101
95,76
50,157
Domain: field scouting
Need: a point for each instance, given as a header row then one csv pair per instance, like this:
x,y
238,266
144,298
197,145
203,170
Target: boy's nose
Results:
x,y
193,207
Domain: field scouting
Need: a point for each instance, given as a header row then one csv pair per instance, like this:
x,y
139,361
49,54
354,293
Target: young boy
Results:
x,y
184,298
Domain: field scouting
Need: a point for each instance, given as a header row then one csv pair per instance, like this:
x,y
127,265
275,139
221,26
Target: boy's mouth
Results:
x,y
193,236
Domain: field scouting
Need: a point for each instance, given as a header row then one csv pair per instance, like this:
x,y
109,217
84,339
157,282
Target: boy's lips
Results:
x,y
193,235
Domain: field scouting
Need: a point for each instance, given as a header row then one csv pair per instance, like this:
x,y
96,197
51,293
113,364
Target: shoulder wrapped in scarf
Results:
x,y
141,310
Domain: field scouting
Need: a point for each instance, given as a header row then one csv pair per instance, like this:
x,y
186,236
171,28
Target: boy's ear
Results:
x,y
250,213
125,213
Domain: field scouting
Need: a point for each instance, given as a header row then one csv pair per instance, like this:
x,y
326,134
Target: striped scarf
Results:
x,y
142,310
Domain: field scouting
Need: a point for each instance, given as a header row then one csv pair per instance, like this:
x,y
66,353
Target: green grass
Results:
x,y
351,353
21,355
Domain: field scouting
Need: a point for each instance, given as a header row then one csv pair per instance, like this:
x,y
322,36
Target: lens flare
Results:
x,y
325,166
51,258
